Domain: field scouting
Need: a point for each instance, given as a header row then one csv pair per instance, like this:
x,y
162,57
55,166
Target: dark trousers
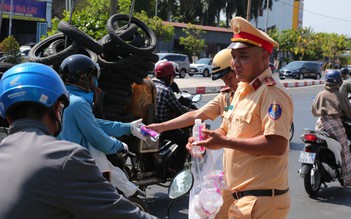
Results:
x,y
179,137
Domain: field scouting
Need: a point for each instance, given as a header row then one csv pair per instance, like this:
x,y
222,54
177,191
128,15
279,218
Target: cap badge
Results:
x,y
237,28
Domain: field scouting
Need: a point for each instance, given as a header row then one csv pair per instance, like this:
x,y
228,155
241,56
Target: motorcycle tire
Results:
x,y
139,203
148,31
291,131
80,37
313,180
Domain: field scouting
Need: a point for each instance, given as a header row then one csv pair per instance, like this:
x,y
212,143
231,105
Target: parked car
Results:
x,y
181,59
202,66
301,70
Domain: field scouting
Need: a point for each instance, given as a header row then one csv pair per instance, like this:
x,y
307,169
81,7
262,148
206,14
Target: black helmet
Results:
x,y
79,70
333,76
344,71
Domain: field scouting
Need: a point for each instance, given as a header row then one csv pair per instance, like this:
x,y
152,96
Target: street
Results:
x,y
331,202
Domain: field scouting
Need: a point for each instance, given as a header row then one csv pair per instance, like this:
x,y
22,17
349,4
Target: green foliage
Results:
x,y
304,44
162,31
193,41
11,50
91,18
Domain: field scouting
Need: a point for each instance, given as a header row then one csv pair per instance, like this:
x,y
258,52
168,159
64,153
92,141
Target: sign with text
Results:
x,y
25,10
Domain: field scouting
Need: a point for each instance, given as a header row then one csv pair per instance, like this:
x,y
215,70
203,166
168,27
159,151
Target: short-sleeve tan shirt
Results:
x,y
260,108
218,106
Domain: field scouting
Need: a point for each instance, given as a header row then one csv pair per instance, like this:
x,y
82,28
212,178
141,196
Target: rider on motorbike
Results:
x,y
80,75
218,106
346,85
168,106
330,105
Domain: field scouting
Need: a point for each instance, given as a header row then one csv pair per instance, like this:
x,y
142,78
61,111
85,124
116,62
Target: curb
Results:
x,y
217,89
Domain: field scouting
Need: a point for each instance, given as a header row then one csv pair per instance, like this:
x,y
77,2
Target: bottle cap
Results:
x,y
197,121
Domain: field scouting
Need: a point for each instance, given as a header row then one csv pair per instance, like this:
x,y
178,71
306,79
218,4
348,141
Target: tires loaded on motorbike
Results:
x,y
126,57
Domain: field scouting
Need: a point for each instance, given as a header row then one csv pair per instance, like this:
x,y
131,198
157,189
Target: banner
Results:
x,y
25,10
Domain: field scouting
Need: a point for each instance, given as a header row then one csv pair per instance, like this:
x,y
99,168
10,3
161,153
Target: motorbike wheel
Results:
x,y
312,180
139,203
291,131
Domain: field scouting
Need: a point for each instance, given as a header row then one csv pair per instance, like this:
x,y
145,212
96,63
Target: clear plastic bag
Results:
x,y
205,197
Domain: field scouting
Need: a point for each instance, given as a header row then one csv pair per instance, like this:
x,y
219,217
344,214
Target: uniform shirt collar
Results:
x,y
256,82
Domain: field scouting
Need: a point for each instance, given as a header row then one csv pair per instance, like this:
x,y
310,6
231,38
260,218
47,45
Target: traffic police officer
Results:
x,y
256,136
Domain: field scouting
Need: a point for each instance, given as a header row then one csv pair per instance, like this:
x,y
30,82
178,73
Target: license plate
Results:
x,y
307,157
192,70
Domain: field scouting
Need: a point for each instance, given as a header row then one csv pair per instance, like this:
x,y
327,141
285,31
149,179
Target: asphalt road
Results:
x,y
331,202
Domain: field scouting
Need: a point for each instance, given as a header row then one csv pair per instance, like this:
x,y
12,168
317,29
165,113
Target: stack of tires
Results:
x,y
125,55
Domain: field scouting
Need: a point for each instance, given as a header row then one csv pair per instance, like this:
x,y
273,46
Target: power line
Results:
x,y
339,19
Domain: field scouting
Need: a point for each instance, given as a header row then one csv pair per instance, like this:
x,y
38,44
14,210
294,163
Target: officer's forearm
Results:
x,y
260,145
187,119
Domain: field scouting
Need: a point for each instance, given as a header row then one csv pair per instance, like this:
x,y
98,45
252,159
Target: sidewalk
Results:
x,y
201,85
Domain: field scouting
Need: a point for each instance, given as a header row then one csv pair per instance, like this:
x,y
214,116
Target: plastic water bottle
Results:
x,y
196,149
154,136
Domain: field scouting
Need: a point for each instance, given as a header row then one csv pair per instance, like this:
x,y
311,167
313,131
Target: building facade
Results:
x,y
26,20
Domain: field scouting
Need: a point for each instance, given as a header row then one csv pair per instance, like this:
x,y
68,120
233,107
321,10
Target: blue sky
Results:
x,y
328,16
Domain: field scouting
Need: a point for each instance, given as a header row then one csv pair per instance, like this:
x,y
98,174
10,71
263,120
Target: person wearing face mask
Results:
x,y
80,75
346,85
43,177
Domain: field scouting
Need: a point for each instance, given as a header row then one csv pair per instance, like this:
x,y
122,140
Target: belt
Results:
x,y
268,192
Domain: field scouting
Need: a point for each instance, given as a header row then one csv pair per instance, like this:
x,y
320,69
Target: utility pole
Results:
x,y
10,21
156,8
1,12
267,8
248,11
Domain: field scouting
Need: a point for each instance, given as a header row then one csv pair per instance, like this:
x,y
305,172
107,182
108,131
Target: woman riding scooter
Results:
x,y
330,105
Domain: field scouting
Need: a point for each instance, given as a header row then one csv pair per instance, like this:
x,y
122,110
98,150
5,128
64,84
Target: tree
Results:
x,y
95,26
193,41
11,50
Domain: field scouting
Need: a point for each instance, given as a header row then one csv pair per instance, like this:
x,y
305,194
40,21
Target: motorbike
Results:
x,y
148,162
321,159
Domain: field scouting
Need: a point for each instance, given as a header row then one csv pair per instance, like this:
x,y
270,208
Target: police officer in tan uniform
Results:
x,y
218,106
256,137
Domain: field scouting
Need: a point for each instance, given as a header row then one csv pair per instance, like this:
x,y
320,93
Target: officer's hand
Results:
x,y
157,127
189,144
214,140
135,129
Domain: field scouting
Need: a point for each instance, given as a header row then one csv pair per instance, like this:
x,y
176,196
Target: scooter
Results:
x,y
148,162
321,159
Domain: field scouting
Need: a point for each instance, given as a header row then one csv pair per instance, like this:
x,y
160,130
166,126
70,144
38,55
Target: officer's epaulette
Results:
x,y
269,81
225,89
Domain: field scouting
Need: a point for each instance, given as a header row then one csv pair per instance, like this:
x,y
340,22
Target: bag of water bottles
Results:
x,y
205,196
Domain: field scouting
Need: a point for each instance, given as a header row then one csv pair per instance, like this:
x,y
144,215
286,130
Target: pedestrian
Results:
x,y
167,108
346,85
43,177
80,75
256,136
330,105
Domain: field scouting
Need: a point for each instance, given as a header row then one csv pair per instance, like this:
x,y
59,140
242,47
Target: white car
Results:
x,y
202,66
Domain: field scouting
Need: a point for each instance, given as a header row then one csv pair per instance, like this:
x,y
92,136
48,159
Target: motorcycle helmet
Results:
x,y
31,83
79,70
221,64
164,69
345,73
333,76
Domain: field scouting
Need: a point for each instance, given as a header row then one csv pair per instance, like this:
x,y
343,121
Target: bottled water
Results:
x,y
196,149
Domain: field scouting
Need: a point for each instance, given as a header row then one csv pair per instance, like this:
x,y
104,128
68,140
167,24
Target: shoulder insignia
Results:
x,y
269,81
224,89
256,84
274,111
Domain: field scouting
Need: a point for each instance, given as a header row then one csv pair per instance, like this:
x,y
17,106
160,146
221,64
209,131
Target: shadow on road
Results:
x,y
334,195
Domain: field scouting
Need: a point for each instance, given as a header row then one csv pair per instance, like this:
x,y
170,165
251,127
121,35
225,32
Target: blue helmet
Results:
x,y
31,83
333,76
